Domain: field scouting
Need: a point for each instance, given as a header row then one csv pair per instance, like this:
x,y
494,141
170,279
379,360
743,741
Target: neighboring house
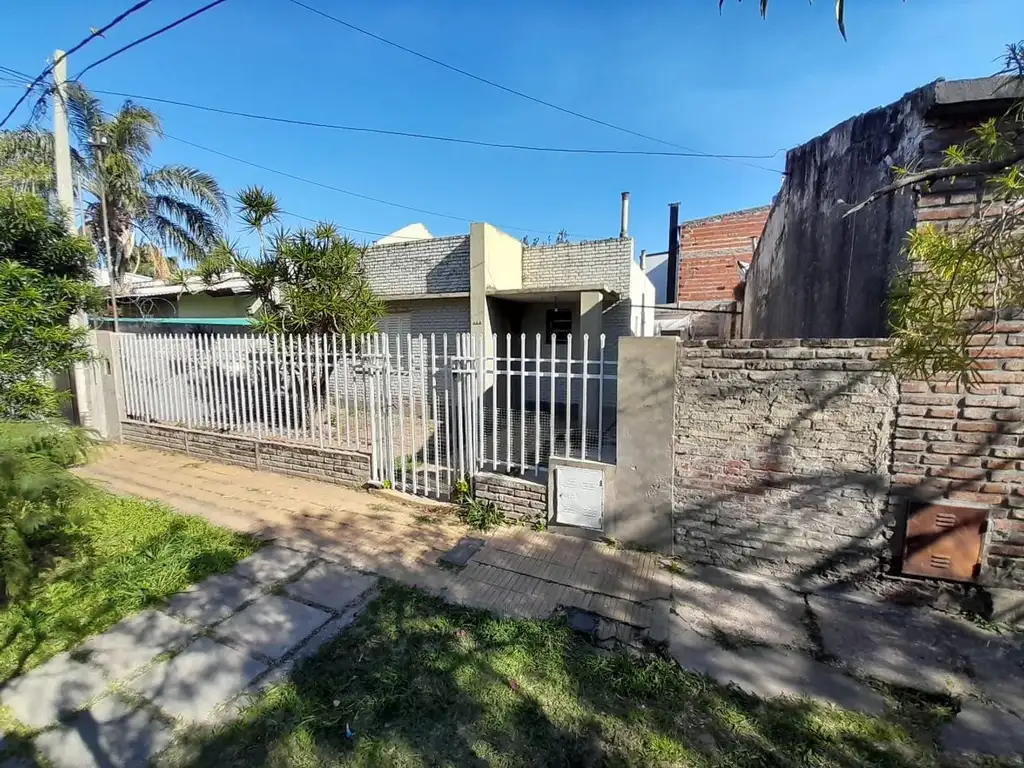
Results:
x,y
714,255
817,273
488,282
139,296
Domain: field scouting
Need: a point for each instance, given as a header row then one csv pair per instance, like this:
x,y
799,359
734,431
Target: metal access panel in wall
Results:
x,y
579,497
943,540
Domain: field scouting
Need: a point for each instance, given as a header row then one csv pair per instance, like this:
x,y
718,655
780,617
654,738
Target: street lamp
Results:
x,y
99,143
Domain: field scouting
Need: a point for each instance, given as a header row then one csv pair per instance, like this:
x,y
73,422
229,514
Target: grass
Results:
x,y
422,683
119,555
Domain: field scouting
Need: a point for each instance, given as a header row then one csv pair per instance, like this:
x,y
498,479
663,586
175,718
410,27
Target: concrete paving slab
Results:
x,y
271,564
331,585
272,626
462,552
192,684
52,690
111,733
133,642
769,672
213,599
984,730
910,647
752,609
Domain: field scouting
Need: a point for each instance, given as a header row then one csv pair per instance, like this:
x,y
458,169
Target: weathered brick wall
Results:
x,y
437,265
781,456
967,443
710,248
324,464
519,499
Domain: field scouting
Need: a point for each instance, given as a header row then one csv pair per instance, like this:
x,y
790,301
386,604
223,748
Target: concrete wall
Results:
x,y
438,265
639,495
642,297
325,464
781,456
816,274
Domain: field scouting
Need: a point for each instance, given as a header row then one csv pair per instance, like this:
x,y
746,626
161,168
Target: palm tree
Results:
x,y
150,210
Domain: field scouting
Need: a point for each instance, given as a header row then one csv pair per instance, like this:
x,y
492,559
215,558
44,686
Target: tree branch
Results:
x,y
933,174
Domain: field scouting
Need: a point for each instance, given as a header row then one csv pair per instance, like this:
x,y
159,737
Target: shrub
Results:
x,y
36,492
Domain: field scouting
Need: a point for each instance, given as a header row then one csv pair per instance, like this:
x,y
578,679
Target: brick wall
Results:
x,y
324,464
967,443
710,248
519,499
437,265
781,455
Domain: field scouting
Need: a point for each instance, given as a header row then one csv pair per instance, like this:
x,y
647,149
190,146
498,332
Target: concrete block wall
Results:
x,y
967,443
435,316
436,265
520,499
587,264
323,464
781,456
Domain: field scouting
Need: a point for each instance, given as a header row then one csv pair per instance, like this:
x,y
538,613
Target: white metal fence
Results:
x,y
429,409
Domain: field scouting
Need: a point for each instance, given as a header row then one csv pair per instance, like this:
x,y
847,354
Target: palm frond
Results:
x,y
169,234
85,114
201,187
257,207
202,227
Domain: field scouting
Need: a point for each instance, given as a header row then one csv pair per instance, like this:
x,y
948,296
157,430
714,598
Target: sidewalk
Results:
x,y
331,542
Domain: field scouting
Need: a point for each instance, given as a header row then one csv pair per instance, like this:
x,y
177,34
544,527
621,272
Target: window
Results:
x,y
558,323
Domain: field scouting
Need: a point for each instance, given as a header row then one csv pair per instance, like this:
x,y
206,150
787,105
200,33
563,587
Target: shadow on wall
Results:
x,y
813,502
451,273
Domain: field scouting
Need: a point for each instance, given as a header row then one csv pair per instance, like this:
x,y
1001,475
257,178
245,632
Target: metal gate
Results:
x,y
446,407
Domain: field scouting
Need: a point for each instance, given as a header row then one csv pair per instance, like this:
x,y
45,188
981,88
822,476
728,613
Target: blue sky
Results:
x,y
675,69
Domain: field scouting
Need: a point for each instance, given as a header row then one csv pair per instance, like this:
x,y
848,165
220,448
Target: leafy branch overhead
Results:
x,y
840,12
308,280
961,280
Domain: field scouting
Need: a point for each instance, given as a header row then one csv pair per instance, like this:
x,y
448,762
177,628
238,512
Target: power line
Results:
x,y
150,36
361,196
92,36
411,135
528,97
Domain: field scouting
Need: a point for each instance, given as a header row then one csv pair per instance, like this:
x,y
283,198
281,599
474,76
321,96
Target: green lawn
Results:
x,y
119,555
423,683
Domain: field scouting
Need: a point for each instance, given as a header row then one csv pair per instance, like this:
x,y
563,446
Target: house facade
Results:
x,y
488,282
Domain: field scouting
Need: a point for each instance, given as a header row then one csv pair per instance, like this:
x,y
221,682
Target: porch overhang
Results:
x,y
552,293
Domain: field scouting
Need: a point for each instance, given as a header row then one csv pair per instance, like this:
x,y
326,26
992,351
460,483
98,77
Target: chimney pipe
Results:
x,y
672,277
643,260
624,229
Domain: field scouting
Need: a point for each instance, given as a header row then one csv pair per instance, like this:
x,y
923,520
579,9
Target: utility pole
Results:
x,y
66,198
61,140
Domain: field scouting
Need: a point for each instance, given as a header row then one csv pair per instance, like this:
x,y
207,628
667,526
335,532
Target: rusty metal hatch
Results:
x,y
944,540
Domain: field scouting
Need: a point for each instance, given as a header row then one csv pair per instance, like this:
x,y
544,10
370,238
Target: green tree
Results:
x,y
170,208
43,280
960,280
307,281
